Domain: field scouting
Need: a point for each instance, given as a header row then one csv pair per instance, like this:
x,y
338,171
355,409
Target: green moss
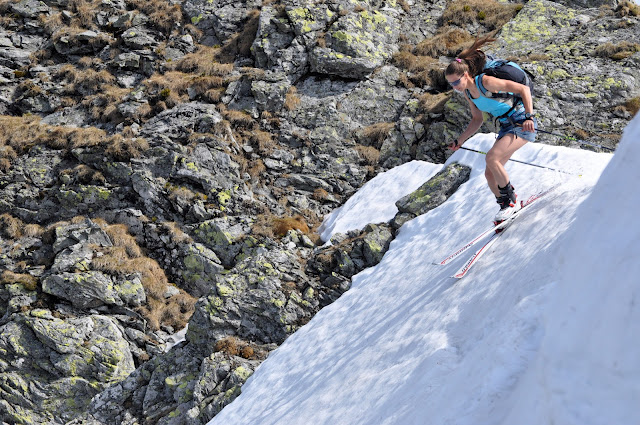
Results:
x,y
242,373
224,290
559,74
342,36
278,303
213,304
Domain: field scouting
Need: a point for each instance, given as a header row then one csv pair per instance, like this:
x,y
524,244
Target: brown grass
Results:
x,y
633,105
50,23
233,346
22,133
404,4
424,70
126,257
320,194
282,225
33,230
627,8
375,134
239,118
292,100
163,15
240,43
122,149
264,141
203,62
433,103
449,41
85,12
489,13
5,165
72,33
103,105
176,233
85,175
370,154
30,283
618,51
119,235
256,168
11,227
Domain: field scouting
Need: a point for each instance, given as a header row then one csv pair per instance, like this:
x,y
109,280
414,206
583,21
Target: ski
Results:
x,y
462,271
494,229
470,244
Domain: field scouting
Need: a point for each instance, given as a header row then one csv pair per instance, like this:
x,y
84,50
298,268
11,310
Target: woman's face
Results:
x,y
457,81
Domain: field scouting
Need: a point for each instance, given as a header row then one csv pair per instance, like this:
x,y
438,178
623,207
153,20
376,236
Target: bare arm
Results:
x,y
495,85
473,126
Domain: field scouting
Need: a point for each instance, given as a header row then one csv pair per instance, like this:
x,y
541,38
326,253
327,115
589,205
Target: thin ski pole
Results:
x,y
526,163
573,139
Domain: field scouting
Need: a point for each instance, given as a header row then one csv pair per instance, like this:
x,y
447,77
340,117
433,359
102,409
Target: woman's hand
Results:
x,y
527,125
454,146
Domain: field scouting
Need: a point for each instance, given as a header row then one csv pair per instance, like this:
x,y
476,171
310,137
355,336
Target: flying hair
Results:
x,y
471,60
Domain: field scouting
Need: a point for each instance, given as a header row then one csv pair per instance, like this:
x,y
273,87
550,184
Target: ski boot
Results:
x,y
508,204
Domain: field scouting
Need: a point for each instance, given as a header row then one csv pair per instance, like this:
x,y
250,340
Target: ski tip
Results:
x,y
457,276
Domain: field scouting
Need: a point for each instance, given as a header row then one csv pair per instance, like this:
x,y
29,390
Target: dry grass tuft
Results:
x,y
424,70
264,141
22,133
176,233
239,118
29,282
627,8
433,103
33,230
86,175
203,62
370,154
11,227
233,346
449,41
256,168
618,51
292,100
282,225
125,258
163,15
320,194
489,13
240,43
122,149
375,134
119,235
633,105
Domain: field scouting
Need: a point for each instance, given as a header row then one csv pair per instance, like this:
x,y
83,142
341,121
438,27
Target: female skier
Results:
x,y
512,105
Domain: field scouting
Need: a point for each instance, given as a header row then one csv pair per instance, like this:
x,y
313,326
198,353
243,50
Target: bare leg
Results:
x,y
497,156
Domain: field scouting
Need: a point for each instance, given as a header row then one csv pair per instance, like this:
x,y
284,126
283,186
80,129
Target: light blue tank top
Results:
x,y
495,107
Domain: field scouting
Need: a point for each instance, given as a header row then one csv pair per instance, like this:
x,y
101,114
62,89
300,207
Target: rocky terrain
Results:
x,y
165,165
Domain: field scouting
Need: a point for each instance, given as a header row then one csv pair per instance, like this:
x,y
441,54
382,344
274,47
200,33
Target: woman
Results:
x,y
517,124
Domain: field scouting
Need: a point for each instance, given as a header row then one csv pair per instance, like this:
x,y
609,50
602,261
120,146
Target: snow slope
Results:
x,y
382,192
545,329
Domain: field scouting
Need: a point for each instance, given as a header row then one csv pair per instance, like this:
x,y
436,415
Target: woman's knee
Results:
x,y
492,159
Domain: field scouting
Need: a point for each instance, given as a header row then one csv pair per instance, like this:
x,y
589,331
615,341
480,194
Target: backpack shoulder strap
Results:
x,y
481,88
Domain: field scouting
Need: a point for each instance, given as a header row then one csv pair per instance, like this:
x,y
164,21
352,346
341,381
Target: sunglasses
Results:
x,y
456,82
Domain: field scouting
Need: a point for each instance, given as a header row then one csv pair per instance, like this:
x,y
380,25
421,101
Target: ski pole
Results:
x,y
526,163
573,139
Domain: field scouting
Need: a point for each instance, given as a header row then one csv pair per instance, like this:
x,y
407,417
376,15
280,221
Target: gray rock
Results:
x,y
83,290
181,121
435,191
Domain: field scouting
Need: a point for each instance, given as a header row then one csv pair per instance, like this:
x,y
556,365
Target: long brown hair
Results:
x,y
470,60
